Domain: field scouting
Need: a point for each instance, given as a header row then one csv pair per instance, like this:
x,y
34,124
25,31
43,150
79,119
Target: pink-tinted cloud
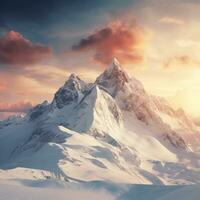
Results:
x,y
17,50
22,106
117,39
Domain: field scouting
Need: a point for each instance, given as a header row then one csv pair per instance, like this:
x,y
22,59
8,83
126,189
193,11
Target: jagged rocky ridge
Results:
x,y
96,131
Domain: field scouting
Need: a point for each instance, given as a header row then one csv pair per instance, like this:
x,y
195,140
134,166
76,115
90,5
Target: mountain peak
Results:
x,y
73,76
113,77
73,82
115,63
114,67
71,91
114,70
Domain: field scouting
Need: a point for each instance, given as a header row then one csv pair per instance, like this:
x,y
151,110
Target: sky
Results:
x,y
43,42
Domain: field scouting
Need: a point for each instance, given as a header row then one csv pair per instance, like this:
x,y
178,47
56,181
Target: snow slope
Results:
x,y
111,130
52,189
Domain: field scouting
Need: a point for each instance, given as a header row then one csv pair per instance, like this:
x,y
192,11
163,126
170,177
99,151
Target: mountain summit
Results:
x,y
113,78
72,91
94,132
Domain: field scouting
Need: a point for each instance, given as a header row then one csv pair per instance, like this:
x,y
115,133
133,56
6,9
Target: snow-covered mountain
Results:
x,y
110,130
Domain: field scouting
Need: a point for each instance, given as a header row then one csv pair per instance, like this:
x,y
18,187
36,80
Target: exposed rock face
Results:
x,y
72,91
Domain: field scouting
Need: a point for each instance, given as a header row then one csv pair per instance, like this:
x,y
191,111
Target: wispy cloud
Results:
x,y
181,61
171,20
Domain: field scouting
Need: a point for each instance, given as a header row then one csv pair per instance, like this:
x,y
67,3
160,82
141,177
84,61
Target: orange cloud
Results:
x,y
17,50
124,41
22,106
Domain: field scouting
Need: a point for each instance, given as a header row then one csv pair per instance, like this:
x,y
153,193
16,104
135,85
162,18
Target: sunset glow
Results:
x,y
99,99
157,42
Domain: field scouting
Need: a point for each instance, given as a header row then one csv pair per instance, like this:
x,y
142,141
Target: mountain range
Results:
x,y
111,130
